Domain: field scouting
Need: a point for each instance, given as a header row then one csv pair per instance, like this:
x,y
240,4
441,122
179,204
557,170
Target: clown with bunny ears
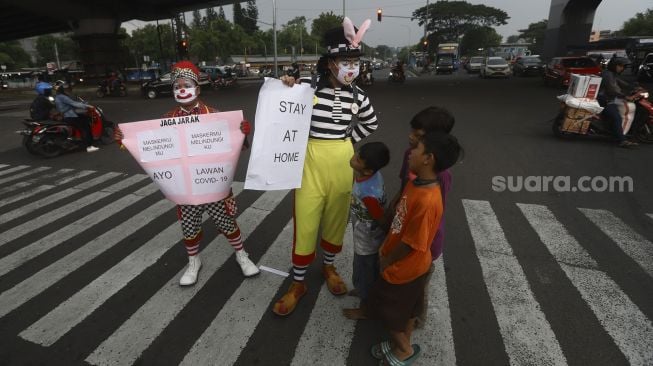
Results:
x,y
322,203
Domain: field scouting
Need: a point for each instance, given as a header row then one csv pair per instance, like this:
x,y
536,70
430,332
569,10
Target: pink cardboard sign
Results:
x,y
192,159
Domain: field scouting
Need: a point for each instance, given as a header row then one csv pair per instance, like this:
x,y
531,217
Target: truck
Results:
x,y
449,50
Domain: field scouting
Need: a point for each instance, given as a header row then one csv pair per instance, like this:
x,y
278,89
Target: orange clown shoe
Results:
x,y
288,302
333,280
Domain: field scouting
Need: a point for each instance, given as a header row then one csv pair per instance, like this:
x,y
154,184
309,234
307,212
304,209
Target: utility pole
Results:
x,y
343,8
56,55
274,31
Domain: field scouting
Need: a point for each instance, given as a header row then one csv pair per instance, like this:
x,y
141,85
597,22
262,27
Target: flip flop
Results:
x,y
377,350
394,361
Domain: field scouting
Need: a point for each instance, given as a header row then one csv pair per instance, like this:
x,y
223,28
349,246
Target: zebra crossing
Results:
x,y
58,224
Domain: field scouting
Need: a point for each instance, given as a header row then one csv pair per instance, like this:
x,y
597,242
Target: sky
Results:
x,y
611,15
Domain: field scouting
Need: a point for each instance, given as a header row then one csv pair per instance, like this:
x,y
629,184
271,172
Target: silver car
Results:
x,y
495,66
474,65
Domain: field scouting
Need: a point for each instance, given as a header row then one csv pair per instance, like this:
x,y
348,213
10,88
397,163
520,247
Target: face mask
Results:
x,y
347,71
185,95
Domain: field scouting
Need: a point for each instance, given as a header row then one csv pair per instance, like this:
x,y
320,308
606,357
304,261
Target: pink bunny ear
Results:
x,y
361,32
348,26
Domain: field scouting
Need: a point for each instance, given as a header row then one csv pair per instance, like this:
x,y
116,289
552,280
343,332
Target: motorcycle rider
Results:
x,y
398,69
66,106
613,90
41,107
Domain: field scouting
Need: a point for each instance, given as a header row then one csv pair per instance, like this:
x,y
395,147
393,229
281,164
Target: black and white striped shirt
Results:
x,y
332,114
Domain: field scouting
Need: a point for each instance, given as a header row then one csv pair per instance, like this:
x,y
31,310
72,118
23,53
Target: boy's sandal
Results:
x,y
333,280
379,350
392,360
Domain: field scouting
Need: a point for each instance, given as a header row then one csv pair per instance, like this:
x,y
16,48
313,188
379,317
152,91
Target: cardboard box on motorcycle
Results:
x,y
584,86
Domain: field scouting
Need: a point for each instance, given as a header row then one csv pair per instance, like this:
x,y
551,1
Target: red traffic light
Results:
x,y
379,14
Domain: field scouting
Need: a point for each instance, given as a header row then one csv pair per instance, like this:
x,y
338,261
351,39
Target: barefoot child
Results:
x,y
367,214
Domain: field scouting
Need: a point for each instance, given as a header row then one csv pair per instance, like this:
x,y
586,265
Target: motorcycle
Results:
x,y
51,138
367,78
103,90
222,82
396,77
573,122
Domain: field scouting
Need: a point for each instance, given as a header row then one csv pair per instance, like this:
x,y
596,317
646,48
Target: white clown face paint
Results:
x,y
348,69
185,90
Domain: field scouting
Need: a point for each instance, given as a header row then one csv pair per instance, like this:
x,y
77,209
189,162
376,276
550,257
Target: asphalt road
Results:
x,y
527,278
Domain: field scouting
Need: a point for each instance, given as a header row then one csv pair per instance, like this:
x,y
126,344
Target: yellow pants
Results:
x,y
324,198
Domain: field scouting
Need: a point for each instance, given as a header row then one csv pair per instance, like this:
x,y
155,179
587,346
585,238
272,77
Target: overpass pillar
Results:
x,y
99,44
569,27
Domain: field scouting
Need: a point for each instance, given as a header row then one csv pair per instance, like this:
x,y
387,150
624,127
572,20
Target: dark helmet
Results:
x,y
612,64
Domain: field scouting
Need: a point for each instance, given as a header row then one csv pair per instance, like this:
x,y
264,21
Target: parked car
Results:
x,y
559,69
528,65
495,66
163,85
473,65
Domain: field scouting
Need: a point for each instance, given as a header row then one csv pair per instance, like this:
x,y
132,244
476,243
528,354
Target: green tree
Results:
x,y
145,42
384,51
238,15
639,25
513,39
197,19
211,15
479,37
13,55
221,14
535,34
452,19
324,22
67,48
250,17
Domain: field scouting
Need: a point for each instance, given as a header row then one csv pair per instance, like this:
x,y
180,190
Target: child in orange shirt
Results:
x,y
405,256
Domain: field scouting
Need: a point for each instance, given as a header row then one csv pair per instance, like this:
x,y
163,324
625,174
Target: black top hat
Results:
x,y
338,45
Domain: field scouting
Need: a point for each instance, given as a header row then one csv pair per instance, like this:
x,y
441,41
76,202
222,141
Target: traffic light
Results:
x,y
379,14
183,48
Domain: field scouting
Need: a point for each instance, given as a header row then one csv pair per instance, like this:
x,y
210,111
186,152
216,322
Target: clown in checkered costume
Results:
x,y
186,90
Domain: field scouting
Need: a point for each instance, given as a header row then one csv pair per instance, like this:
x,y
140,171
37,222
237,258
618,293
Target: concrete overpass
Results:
x,y
569,27
94,23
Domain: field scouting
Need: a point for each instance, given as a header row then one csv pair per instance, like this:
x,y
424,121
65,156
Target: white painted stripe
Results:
x,y
28,252
436,338
631,330
64,317
54,198
34,285
14,169
30,182
24,174
78,175
527,336
3,166
632,243
228,333
624,322
563,246
126,344
51,216
328,334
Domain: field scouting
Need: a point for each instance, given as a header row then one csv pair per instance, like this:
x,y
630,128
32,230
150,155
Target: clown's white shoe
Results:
x,y
246,265
190,276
